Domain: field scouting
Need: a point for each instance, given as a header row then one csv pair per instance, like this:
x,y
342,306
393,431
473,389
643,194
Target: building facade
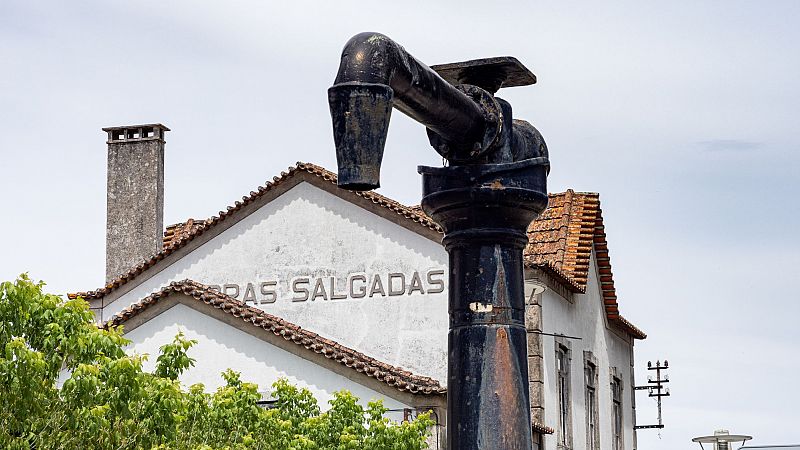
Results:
x,y
335,289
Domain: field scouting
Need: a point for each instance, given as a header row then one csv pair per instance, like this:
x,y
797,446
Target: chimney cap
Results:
x,y
146,125
135,133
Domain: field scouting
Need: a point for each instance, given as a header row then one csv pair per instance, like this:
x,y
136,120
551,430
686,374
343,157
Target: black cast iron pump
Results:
x,y
494,186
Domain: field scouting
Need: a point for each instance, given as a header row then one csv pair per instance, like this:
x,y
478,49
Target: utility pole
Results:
x,y
656,390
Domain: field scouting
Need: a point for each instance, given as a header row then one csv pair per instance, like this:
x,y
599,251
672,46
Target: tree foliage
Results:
x,y
67,384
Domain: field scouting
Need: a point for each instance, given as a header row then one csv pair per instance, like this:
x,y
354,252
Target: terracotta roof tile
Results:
x,y
396,377
178,231
560,240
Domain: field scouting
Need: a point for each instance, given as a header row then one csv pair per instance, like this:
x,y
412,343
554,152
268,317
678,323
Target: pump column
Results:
x,y
485,212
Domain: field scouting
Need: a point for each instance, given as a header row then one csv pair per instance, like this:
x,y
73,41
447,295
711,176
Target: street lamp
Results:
x,y
721,439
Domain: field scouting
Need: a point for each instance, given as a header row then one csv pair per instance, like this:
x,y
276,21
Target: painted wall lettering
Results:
x,y
397,284
360,281
300,293
330,288
269,291
438,281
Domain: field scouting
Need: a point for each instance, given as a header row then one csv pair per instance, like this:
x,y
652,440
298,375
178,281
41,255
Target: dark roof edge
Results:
x,y
630,328
558,275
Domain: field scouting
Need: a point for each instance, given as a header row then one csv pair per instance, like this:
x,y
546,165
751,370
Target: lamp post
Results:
x,y
484,200
721,440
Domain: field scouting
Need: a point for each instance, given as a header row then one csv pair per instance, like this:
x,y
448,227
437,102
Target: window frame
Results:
x,y
563,363
591,400
617,411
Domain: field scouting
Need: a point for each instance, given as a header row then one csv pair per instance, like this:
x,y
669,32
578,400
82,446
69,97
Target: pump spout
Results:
x,y
376,74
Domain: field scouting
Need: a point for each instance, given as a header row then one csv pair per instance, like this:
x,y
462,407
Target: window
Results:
x,y
590,395
592,430
616,401
537,441
564,413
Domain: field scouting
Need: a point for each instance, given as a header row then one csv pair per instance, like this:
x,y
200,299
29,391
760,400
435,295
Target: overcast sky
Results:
x,y
683,115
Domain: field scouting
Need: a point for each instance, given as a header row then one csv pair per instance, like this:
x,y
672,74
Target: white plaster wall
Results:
x,y
585,318
221,346
310,232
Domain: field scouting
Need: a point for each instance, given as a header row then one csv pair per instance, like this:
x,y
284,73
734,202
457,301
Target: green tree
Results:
x,y
105,400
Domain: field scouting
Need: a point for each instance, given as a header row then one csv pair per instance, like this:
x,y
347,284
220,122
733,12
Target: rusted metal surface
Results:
x,y
488,399
495,186
485,211
360,114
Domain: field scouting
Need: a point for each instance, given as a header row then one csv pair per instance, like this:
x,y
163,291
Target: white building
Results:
x,y
334,290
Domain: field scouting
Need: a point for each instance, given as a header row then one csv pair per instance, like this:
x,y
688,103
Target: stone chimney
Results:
x,y
135,202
